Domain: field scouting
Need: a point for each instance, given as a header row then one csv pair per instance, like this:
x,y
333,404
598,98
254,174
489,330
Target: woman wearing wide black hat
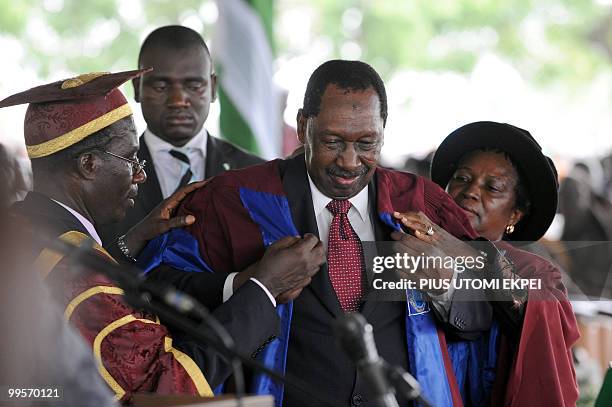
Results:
x,y
507,188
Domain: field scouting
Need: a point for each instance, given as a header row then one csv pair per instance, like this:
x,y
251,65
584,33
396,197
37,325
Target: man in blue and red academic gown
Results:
x,y
336,192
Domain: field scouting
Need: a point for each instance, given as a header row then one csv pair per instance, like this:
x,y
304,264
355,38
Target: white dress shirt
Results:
x,y
170,170
84,221
358,214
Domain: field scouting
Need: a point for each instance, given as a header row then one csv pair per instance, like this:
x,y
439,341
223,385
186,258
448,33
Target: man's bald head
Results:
x,y
174,37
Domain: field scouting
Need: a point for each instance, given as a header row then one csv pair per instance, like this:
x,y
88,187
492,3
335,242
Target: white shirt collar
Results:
x,y
320,201
156,144
84,221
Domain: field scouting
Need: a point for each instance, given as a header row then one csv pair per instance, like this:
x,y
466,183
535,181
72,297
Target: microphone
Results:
x,y
357,338
406,384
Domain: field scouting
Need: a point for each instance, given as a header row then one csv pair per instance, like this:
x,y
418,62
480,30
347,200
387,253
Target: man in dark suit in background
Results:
x,y
175,99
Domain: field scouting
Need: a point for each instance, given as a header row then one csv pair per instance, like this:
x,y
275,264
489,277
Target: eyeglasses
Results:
x,y
137,166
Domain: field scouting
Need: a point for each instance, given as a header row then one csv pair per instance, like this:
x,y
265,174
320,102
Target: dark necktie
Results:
x,y
344,257
188,174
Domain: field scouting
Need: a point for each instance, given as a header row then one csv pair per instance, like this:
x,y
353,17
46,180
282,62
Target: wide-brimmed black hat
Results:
x,y
537,170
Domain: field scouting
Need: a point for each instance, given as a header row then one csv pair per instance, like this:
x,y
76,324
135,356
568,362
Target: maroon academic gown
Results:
x,y
135,353
539,369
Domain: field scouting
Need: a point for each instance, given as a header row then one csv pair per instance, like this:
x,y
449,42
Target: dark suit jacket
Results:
x,y
248,315
221,156
317,307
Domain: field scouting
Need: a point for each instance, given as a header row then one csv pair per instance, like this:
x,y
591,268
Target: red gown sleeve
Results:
x,y
443,210
134,352
405,192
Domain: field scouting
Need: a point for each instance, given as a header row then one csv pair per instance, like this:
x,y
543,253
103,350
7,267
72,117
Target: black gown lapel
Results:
x,y
295,184
48,216
216,161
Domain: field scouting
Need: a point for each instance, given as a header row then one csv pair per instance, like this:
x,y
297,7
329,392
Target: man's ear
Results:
x,y
213,86
88,165
302,123
136,85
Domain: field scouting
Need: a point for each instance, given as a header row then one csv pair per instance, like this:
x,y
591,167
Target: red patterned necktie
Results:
x,y
344,257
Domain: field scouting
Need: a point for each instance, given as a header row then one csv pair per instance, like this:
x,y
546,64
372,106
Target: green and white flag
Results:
x,y
250,109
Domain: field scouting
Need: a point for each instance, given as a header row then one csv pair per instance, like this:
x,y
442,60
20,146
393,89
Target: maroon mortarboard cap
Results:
x,y
63,113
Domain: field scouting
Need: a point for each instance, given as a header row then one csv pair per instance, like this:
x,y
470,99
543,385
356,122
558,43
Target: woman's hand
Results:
x,y
428,240
160,220
418,225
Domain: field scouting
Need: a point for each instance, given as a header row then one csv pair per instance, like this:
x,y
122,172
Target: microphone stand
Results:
x,y
405,384
356,336
170,304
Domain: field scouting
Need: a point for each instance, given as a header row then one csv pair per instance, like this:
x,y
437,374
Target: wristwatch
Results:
x,y
124,249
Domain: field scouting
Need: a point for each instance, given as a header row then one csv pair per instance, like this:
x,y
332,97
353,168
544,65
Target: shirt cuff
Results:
x,y
228,288
263,287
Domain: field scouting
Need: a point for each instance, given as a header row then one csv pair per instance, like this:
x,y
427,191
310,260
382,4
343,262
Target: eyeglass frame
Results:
x,y
137,166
